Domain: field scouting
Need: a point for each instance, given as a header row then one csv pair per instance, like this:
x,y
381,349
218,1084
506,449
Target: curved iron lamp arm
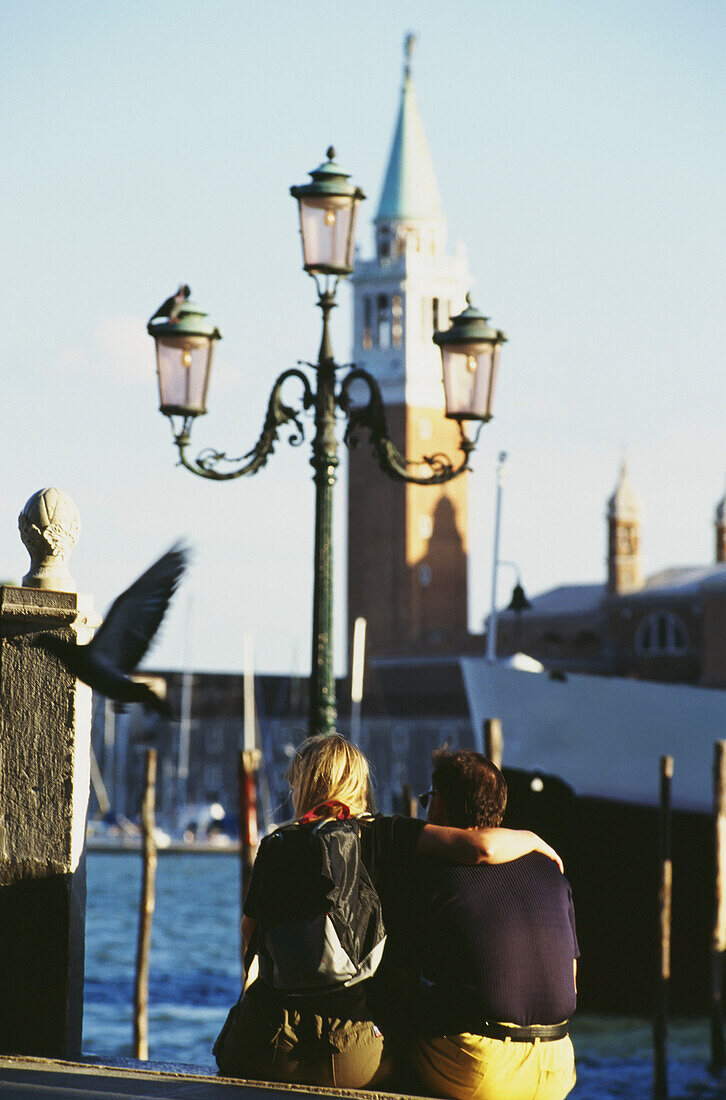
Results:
x,y
278,414
373,417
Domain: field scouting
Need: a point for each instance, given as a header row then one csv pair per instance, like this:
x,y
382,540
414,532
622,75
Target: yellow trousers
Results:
x,y
472,1067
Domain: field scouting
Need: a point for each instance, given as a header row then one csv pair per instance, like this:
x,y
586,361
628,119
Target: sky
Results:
x,y
579,149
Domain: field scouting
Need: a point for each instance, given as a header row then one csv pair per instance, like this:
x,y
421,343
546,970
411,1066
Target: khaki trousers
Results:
x,y
472,1067
288,1045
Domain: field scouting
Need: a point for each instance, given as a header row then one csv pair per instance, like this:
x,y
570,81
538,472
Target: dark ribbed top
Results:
x,y
499,943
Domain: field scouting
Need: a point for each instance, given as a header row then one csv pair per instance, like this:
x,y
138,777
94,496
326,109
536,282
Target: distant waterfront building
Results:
x,y
669,627
407,544
406,717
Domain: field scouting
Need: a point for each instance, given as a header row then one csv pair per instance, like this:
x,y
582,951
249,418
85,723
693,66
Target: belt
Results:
x,y
547,1033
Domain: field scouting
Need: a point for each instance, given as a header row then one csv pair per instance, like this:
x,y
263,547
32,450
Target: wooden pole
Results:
x,y
356,679
409,801
493,741
146,910
660,1031
718,942
247,767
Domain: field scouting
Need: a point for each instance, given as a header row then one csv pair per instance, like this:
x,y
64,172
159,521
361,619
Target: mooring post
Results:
x,y
247,768
146,908
660,1031
45,740
493,744
718,941
409,801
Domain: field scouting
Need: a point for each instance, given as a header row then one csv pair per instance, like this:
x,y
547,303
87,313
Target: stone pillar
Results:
x,y
45,735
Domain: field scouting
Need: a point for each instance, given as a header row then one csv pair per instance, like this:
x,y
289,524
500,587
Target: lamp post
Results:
x,y
185,342
519,601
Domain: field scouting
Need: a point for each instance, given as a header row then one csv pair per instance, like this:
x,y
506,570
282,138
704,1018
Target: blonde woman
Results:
x,y
330,1037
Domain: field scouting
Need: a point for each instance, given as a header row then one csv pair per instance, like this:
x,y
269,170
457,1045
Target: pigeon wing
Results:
x,y
135,616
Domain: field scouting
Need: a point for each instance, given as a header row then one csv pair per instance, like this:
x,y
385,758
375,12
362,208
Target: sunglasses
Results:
x,y
425,797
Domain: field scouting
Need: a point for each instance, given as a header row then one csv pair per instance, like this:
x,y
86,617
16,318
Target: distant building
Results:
x,y
406,715
669,627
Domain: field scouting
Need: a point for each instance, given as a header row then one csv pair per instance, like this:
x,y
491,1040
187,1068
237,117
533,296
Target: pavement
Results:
x,y
49,1079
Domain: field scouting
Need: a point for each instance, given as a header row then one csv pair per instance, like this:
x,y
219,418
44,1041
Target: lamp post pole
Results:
x,y
325,462
519,601
491,652
185,342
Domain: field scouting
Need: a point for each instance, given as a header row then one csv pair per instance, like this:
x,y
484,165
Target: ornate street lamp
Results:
x,y
519,601
185,341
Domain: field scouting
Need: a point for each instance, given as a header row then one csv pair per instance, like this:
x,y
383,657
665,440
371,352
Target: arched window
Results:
x,y
661,633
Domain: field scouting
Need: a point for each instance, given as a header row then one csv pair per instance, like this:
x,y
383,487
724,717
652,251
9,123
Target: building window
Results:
x,y
435,313
383,322
661,633
384,243
397,320
367,323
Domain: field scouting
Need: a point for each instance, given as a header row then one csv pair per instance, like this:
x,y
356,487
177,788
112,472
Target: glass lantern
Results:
x,y
470,352
328,214
184,349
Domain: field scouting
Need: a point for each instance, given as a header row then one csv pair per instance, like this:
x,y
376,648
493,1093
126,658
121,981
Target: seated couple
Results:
x,y
477,980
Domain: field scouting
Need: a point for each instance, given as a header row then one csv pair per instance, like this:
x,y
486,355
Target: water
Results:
x,y
195,977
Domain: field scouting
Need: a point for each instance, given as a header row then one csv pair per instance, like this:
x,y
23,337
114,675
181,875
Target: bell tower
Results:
x,y
407,544
720,529
624,570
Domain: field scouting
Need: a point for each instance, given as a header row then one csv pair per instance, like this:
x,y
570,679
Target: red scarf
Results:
x,y
335,809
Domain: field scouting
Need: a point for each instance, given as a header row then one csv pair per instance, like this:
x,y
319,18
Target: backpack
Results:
x,y
319,917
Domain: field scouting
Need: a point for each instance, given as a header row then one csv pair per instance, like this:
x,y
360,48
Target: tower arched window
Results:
x,y
661,633
397,320
367,322
383,321
384,243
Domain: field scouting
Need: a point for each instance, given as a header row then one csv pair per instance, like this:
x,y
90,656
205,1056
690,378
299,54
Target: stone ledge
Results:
x,y
30,605
122,1077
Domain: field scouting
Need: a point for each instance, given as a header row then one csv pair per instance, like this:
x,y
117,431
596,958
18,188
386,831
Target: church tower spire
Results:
x,y
409,211
407,544
623,515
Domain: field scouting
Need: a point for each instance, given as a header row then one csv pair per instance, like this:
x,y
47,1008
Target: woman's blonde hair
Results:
x,y
328,767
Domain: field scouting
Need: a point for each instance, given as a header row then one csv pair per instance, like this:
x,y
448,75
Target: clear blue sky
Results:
x,y
579,148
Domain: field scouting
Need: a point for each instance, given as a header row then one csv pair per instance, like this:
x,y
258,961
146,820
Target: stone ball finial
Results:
x,y
49,526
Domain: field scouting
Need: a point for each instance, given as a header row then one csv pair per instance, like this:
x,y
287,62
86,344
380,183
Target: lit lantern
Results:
x,y
470,359
328,214
184,349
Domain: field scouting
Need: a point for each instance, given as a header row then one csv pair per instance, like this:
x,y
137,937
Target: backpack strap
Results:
x,y
334,808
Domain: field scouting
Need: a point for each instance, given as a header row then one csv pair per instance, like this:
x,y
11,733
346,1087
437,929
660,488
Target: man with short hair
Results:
x,y
500,952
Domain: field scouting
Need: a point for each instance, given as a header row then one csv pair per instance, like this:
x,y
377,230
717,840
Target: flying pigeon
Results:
x,y
105,664
171,308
